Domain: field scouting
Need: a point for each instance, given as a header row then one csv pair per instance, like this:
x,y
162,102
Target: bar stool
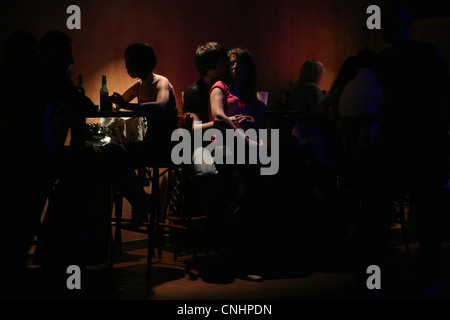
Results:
x,y
181,215
149,228
401,205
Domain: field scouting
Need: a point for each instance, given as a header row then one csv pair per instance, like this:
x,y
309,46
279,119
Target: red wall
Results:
x,y
281,34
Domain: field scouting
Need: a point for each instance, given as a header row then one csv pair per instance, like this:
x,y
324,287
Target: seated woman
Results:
x,y
234,105
306,93
303,99
328,119
155,96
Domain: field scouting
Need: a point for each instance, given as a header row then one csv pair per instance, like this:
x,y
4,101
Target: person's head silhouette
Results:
x,y
396,23
140,60
55,50
311,71
20,48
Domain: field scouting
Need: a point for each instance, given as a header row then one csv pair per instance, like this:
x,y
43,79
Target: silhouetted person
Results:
x,y
306,93
304,98
328,118
18,180
156,98
20,52
358,112
329,105
66,165
234,105
211,61
409,154
75,228
360,99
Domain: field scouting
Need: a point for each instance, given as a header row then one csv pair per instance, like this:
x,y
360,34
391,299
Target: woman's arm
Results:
x,y
162,98
131,92
122,101
218,101
152,107
251,120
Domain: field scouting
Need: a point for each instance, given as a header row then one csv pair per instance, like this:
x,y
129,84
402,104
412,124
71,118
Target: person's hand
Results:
x,y
242,119
233,118
118,100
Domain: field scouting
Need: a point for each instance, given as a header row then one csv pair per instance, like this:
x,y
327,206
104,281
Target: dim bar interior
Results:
x,y
282,35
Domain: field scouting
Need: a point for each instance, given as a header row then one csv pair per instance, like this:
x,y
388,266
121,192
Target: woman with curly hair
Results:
x,y
234,105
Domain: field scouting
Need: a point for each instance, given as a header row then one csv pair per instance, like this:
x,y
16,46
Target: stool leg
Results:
x,y
150,253
403,225
155,217
118,204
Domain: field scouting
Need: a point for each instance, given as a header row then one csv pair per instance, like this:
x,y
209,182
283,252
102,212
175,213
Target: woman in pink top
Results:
x,y
236,105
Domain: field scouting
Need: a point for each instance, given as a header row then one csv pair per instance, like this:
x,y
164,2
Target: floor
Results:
x,y
327,275
205,278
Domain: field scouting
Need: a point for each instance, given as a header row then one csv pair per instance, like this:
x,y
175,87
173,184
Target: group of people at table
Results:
x,y
225,96
71,174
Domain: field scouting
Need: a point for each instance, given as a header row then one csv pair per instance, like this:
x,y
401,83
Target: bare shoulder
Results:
x,y
216,91
160,80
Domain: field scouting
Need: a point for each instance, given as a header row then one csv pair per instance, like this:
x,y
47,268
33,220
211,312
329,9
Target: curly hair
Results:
x,y
244,57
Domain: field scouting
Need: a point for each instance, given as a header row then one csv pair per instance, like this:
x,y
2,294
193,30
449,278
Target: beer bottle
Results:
x,y
80,85
105,105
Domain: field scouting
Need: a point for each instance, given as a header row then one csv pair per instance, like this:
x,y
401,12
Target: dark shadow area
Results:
x,y
211,268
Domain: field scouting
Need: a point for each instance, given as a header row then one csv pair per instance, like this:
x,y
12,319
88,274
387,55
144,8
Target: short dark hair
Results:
x,y
142,58
208,55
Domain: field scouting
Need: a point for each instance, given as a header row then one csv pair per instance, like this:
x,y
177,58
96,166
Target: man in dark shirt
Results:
x,y
196,100
211,61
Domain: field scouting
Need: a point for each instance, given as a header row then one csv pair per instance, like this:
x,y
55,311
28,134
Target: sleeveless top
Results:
x,y
234,105
160,127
